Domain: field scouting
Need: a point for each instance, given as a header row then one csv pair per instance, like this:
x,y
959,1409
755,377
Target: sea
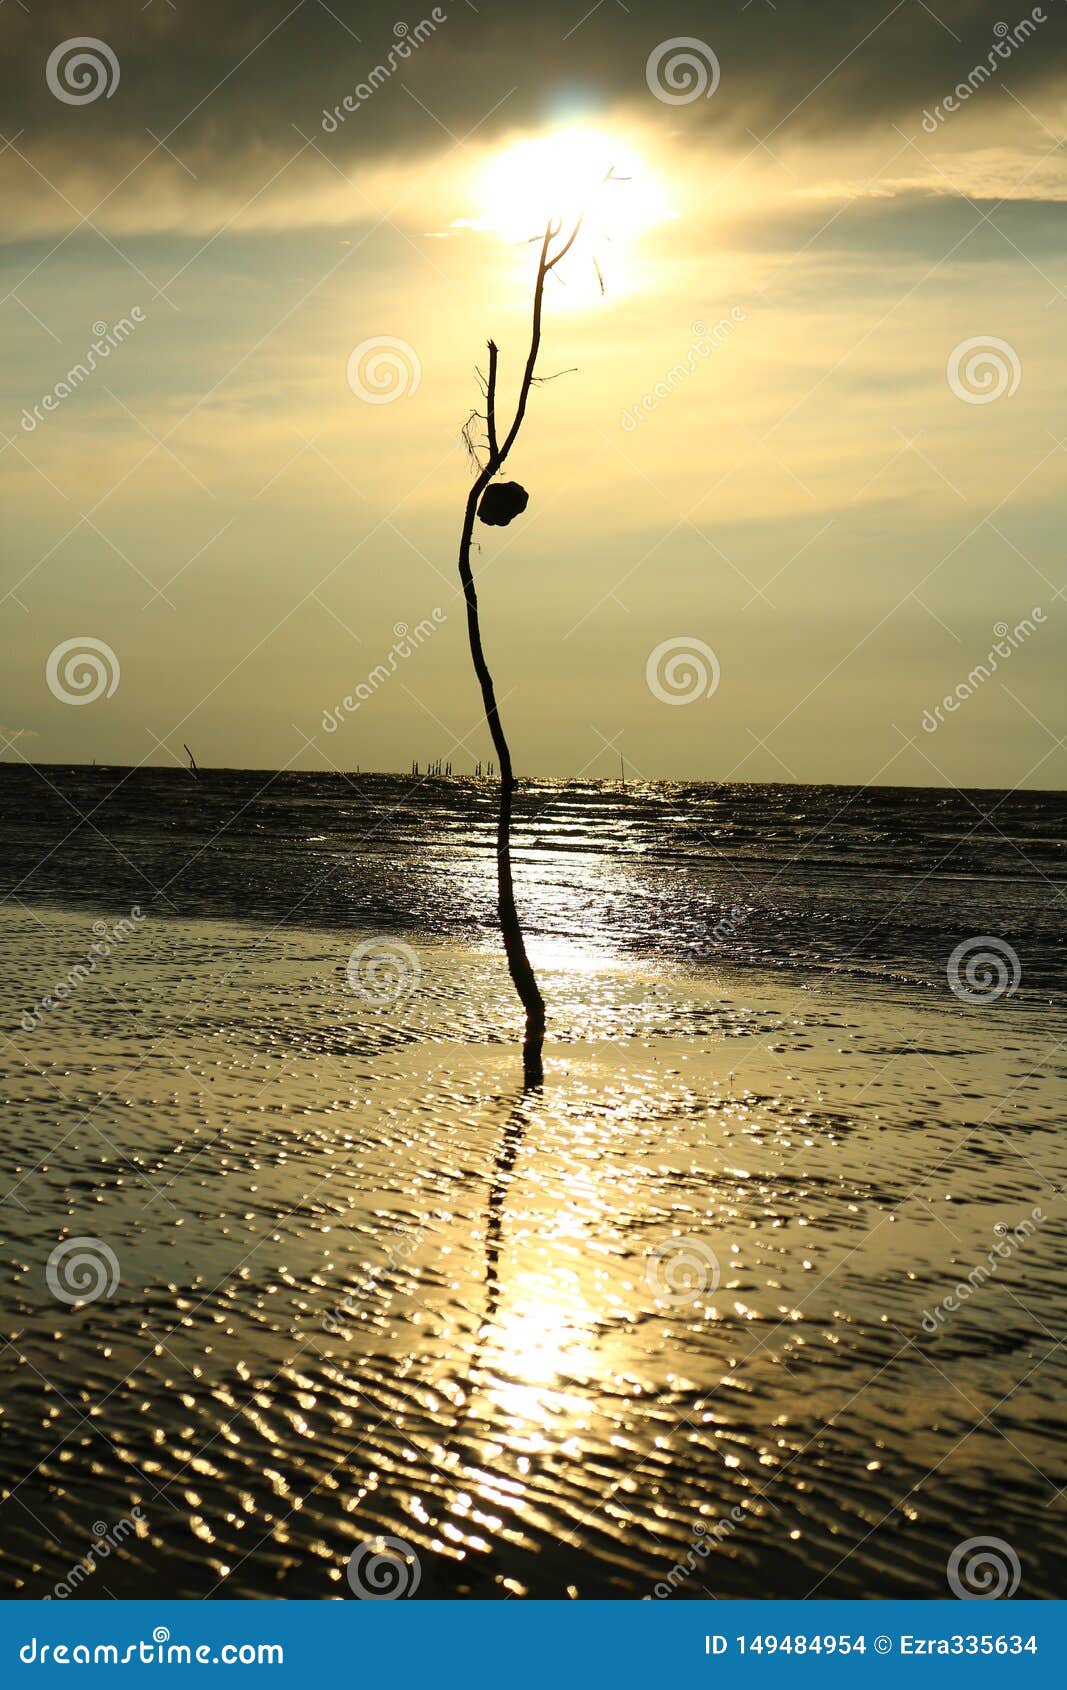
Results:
x,y
762,1295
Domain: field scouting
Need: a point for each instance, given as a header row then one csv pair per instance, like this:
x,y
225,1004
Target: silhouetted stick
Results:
x,y
519,967
522,974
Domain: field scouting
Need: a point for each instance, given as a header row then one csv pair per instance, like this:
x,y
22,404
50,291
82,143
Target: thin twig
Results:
x,y
490,398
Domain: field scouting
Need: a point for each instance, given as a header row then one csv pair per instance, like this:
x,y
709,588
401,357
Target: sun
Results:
x,y
564,174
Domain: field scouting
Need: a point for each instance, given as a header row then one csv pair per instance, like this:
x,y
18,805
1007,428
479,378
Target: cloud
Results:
x,y
220,116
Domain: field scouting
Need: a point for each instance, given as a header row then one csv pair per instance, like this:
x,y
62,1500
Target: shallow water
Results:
x,y
877,882
658,1331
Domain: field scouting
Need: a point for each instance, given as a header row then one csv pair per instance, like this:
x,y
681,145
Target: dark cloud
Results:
x,y
225,77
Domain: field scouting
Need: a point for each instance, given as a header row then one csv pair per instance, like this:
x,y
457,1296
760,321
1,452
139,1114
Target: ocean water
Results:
x,y
763,1295
881,882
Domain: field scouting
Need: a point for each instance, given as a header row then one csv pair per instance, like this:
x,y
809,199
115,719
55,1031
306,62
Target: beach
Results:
x,y
676,1327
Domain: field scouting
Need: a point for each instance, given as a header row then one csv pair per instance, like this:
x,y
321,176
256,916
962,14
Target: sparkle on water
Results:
x,y
365,1287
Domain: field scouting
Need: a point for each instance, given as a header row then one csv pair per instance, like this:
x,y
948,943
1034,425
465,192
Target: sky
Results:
x,y
798,478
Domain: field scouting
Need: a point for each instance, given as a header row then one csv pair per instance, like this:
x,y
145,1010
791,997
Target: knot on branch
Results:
x,y
502,502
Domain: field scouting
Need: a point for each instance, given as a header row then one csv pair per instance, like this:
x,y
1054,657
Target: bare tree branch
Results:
x,y
491,401
519,967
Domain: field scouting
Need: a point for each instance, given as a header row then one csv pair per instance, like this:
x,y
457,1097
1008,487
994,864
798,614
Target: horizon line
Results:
x,y
208,769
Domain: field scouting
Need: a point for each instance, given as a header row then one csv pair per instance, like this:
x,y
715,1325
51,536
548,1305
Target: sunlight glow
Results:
x,y
561,174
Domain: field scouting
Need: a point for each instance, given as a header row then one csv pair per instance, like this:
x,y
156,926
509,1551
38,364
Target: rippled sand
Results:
x,y
665,1316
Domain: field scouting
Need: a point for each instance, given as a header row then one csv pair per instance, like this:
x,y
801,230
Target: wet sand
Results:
x,y
657,1331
